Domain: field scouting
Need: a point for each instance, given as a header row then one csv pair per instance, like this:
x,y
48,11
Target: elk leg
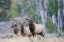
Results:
x,y
30,35
43,34
34,33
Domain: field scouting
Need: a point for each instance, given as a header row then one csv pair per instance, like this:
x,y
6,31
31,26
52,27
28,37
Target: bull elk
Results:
x,y
35,28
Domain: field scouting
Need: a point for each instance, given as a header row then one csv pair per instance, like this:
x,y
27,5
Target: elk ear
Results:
x,y
11,26
16,23
20,23
27,19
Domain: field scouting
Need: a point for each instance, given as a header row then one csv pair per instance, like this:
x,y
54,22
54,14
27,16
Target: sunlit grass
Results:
x,y
31,39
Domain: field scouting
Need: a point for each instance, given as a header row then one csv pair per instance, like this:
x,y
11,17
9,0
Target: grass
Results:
x,y
31,39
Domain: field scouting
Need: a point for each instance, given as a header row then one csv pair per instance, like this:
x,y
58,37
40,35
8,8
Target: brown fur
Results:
x,y
32,28
22,29
16,30
41,34
14,26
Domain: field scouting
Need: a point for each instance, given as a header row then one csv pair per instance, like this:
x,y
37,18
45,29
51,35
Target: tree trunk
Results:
x,y
62,14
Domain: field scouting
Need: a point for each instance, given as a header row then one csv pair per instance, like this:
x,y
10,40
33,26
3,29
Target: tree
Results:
x,y
52,8
29,7
4,7
12,10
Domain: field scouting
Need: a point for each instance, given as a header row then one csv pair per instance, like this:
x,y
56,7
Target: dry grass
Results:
x,y
31,39
5,29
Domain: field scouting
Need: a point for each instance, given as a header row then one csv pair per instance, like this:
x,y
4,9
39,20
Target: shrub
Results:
x,y
50,26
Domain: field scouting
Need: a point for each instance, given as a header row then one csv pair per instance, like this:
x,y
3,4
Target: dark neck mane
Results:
x,y
16,31
22,29
32,27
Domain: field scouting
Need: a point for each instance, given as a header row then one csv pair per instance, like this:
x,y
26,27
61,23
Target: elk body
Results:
x,y
25,30
35,28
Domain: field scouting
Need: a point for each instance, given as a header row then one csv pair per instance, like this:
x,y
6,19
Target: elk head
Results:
x,y
14,26
30,21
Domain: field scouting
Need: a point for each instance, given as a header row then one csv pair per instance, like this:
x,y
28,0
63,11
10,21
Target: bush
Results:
x,y
50,26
